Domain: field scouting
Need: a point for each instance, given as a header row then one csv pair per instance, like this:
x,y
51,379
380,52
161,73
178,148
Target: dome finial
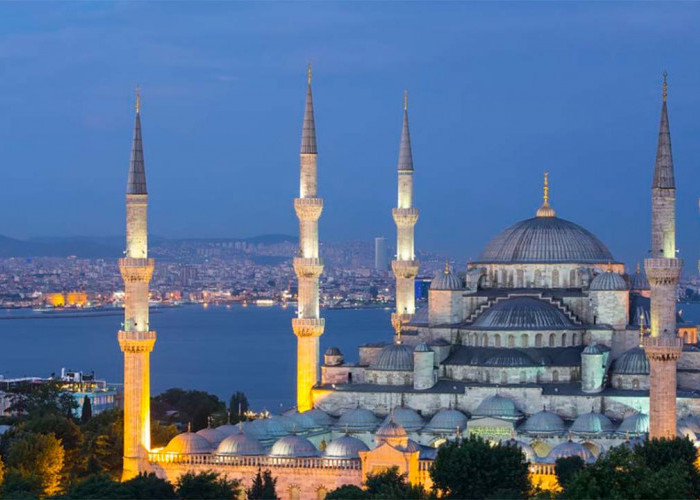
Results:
x,y
447,267
545,210
665,86
189,426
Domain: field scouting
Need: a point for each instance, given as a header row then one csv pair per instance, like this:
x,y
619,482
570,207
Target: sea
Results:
x,y
217,349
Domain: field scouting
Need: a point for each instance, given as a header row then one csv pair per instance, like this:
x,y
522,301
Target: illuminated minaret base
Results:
x,y
136,339
405,266
308,325
663,346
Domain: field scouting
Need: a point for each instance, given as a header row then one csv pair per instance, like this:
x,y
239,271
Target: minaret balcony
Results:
x,y
136,341
405,268
308,327
663,347
308,268
136,269
308,209
662,271
405,217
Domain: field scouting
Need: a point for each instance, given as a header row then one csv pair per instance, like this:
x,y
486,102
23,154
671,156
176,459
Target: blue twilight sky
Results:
x,y
498,93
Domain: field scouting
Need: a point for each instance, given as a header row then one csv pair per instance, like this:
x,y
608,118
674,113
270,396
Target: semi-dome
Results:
x,y
510,358
632,362
214,436
608,282
303,421
188,443
523,313
333,351
544,422
321,418
273,427
592,350
407,418
639,281
422,347
239,444
293,447
592,423
228,429
445,280
545,240
447,421
570,449
634,424
358,420
391,430
497,406
287,423
527,450
394,357
345,447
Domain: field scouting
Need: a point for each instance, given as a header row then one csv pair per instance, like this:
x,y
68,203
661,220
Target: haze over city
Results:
x,y
497,94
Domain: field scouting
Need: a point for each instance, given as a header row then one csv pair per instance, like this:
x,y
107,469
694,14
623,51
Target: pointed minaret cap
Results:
x,y
136,182
405,154
663,169
308,133
545,210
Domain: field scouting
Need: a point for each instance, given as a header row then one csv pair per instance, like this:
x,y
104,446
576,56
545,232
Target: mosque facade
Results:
x,y
545,342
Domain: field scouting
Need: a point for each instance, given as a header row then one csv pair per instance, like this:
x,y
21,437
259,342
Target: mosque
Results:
x,y
546,343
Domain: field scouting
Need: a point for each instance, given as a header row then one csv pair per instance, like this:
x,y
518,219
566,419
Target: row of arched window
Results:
x,y
517,279
494,377
523,340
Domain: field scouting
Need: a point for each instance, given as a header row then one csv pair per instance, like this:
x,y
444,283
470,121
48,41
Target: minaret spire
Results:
x,y
663,346
308,326
136,339
405,266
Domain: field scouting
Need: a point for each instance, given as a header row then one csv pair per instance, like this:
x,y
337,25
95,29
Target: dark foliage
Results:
x,y
263,487
206,485
186,407
390,484
238,405
86,413
566,469
35,400
348,492
149,486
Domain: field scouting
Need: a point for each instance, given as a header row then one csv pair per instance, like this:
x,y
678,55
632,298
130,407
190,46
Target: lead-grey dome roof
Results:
x,y
445,280
358,419
408,418
523,313
497,406
293,446
639,281
447,420
632,362
592,424
545,239
214,436
239,444
394,357
345,447
527,450
608,281
634,424
570,449
188,443
544,422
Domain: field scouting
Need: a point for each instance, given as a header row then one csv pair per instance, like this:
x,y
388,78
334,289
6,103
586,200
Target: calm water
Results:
x,y
218,350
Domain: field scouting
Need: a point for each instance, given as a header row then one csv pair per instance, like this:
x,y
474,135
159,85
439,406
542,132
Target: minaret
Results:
x,y
308,325
136,339
405,266
662,345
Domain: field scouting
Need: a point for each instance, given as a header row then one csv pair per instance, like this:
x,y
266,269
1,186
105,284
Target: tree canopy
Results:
x,y
385,485
186,407
263,487
38,458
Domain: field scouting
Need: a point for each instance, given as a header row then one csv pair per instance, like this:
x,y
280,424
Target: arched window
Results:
x,y
321,493
524,340
511,340
475,340
563,339
572,278
294,493
484,340
538,278
538,340
523,377
552,340
407,380
349,377
504,377
504,277
635,383
574,339
390,379
555,278
486,376
555,376
497,340
521,278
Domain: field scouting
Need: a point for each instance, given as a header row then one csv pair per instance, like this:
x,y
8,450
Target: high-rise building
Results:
x,y
381,258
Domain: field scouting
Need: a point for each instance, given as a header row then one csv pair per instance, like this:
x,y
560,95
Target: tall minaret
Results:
x,y
662,345
136,339
308,325
405,265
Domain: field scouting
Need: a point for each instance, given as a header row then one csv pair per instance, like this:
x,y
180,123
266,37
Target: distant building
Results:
x,y
381,258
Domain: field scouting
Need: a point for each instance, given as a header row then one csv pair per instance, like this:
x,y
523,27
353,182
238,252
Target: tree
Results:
x,y
41,456
390,484
206,485
238,405
566,469
149,486
86,414
104,443
97,486
161,434
473,468
68,433
16,485
348,492
39,399
263,487
186,407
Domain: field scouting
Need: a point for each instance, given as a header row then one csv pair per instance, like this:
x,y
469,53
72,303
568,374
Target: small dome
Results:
x,y
497,406
422,347
239,444
685,430
447,421
303,421
527,450
214,436
390,430
445,280
293,446
274,427
592,424
228,429
634,424
544,422
570,449
287,423
411,446
639,281
333,351
345,447
357,420
321,418
592,349
394,357
510,358
188,443
608,281
407,418
523,313
632,362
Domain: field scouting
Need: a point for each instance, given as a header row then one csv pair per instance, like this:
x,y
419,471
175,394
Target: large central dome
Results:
x,y
545,239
